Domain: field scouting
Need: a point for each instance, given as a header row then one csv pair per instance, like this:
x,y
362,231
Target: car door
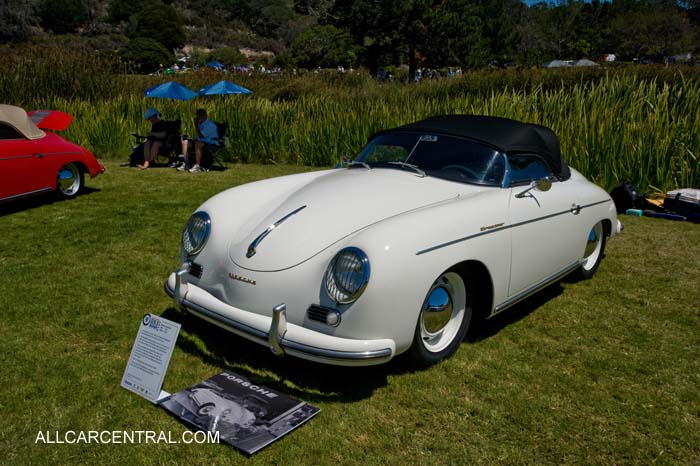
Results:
x,y
544,228
18,157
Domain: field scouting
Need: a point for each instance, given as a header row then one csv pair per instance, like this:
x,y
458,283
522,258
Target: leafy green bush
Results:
x,y
324,46
160,22
227,56
146,54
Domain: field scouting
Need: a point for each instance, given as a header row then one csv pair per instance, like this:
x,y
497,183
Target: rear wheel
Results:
x,y
69,181
443,320
593,255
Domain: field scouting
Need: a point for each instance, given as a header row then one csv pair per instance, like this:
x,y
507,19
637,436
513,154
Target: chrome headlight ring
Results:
x,y
196,233
347,275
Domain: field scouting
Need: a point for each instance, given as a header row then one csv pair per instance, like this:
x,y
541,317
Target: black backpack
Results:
x,y
626,196
136,157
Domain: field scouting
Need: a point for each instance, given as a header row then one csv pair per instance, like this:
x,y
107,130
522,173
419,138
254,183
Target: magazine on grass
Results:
x,y
246,415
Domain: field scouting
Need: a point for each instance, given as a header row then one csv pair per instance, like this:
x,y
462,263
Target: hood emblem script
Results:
x,y
256,242
241,278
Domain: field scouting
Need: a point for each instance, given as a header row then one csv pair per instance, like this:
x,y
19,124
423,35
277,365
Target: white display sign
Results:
x,y
150,357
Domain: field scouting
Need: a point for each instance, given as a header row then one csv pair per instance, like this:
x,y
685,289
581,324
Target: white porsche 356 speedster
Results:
x,y
434,223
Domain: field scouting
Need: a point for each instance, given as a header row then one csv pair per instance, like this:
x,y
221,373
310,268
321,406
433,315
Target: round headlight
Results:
x,y
347,275
196,232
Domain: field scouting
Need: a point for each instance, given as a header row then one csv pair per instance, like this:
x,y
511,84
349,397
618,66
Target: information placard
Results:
x,y
150,356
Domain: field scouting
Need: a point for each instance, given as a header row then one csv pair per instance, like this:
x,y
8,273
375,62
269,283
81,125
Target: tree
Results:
x,y
457,35
654,34
324,46
268,17
63,16
394,30
146,54
319,9
120,10
531,31
160,22
498,26
16,16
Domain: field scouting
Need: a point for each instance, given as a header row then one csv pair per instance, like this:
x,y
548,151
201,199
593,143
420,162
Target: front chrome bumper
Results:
x,y
275,332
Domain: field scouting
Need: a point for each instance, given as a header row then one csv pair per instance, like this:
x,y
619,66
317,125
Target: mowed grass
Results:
x,y
604,371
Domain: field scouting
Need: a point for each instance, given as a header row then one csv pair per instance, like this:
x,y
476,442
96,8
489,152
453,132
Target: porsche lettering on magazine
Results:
x,y
246,415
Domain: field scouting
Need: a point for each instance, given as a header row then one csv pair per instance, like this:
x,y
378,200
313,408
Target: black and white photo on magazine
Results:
x,y
246,415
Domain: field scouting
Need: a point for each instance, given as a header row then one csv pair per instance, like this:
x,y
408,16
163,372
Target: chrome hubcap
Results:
x,y
438,310
593,244
69,179
443,312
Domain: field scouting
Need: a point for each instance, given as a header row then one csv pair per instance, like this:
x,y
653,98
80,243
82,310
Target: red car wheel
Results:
x,y
70,181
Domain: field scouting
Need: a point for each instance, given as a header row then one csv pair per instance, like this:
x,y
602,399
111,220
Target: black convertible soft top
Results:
x,y
506,135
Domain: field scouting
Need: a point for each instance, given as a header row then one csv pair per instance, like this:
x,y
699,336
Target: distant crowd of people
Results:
x,y
382,74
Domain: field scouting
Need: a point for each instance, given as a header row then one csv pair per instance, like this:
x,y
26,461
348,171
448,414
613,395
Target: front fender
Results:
x,y
404,264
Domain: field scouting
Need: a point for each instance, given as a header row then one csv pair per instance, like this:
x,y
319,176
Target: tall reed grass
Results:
x,y
613,126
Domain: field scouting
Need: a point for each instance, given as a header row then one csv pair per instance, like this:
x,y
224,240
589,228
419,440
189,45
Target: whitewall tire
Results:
x,y
443,320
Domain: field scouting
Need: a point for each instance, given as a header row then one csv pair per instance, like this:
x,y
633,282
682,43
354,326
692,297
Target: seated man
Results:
x,y
207,134
155,138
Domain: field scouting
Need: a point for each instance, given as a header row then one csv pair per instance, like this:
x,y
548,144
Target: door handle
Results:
x,y
38,155
575,209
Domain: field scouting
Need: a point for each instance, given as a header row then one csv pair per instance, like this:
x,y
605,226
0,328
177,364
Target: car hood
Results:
x,y
330,208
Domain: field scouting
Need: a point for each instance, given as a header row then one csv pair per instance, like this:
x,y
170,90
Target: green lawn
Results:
x,y
605,371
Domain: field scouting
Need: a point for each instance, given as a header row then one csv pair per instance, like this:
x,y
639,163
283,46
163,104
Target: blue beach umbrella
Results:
x,y
215,64
224,87
171,90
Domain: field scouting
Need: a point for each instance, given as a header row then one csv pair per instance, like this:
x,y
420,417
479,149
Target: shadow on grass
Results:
x,y
39,200
312,381
487,328
307,380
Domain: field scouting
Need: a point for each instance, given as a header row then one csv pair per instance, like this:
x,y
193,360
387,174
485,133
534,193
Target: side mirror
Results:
x,y
543,184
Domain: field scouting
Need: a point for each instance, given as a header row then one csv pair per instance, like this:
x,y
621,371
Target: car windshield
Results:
x,y
440,156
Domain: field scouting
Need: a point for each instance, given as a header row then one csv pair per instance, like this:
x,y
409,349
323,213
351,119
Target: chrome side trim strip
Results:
x,y
26,194
494,230
263,336
17,157
252,248
39,155
535,288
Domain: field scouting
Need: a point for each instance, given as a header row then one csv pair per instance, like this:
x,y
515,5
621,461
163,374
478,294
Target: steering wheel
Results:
x,y
471,174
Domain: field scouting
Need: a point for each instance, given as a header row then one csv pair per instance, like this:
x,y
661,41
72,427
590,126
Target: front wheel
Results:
x,y
69,181
443,321
593,255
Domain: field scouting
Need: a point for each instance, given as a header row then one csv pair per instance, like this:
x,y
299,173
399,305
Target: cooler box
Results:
x,y
684,202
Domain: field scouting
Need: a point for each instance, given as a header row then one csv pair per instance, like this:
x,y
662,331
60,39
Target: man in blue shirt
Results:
x,y
207,134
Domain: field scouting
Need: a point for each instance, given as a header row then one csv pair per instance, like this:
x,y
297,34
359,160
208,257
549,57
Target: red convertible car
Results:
x,y
33,161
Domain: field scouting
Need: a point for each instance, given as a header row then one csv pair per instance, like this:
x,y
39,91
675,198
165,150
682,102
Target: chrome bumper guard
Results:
x,y
277,329
274,338
180,290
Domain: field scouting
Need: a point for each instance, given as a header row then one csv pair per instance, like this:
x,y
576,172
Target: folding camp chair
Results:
x,y
213,150
170,147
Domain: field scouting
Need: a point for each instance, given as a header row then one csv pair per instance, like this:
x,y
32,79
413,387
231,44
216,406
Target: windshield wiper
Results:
x,y
356,163
409,165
